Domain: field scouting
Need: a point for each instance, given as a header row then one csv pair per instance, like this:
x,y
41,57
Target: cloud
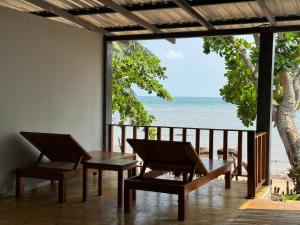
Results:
x,y
172,54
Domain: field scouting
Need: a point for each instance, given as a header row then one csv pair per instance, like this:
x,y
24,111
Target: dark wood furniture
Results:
x,y
178,157
65,157
119,163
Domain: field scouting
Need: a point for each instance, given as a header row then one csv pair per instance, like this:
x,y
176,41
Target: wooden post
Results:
x,y
265,92
251,155
107,92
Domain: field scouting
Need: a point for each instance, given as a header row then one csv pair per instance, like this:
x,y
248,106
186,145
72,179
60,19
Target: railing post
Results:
x,y
171,134
197,144
251,155
158,133
184,134
110,138
146,133
123,138
211,144
240,152
225,144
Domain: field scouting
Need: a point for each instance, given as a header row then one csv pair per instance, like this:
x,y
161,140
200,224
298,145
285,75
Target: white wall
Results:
x,y
50,81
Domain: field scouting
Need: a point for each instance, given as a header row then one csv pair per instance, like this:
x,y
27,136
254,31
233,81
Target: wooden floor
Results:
x,y
211,204
269,213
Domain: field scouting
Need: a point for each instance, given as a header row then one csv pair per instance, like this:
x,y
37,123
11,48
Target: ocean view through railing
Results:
x,y
248,152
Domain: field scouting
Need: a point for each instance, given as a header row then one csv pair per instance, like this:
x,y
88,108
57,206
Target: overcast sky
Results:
x,y
190,71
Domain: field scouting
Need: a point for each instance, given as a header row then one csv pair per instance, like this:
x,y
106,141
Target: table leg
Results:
x,y
84,184
133,172
99,182
120,187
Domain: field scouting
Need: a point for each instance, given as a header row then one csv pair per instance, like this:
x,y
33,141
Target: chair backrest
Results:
x,y
168,155
57,147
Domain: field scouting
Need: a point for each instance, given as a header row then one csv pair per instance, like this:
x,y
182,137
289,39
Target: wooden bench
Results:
x,y
65,156
177,157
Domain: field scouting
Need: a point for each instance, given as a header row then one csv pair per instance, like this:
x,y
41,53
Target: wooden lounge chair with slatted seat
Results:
x,y
64,154
177,157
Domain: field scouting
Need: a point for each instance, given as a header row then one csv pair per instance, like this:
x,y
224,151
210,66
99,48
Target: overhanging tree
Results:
x,y
134,65
241,60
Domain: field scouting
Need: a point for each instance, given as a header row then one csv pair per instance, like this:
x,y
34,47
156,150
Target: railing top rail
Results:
x,y
190,128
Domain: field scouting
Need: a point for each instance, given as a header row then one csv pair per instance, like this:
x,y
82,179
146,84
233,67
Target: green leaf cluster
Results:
x,y
134,65
241,87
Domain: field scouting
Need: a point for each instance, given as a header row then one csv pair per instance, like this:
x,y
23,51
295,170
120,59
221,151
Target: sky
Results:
x,y
190,72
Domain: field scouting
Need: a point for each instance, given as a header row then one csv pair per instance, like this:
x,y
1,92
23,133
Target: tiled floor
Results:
x,y
210,204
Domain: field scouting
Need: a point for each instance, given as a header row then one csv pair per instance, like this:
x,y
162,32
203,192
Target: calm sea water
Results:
x,y
210,112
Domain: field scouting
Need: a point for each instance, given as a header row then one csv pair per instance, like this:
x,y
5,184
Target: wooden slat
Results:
x,y
211,144
158,133
264,157
184,134
197,144
171,134
225,144
110,137
240,152
146,129
123,139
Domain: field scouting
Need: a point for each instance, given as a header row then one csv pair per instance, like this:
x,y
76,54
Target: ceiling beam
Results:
x,y
267,12
134,18
141,7
197,34
66,15
193,13
193,24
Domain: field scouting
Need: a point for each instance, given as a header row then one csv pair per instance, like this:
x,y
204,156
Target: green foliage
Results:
x,y
292,197
241,75
135,65
152,133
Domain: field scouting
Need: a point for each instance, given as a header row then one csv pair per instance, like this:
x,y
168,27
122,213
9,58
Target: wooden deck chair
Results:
x,y
178,157
65,156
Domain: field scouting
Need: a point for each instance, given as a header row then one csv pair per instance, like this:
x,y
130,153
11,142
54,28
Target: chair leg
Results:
x,y
19,186
133,191
61,191
84,184
227,180
99,182
127,198
181,206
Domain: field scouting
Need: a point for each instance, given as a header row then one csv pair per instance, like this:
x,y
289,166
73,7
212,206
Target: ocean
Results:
x,y
210,112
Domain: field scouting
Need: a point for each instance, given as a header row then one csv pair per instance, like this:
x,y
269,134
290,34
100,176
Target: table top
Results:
x,y
101,155
111,162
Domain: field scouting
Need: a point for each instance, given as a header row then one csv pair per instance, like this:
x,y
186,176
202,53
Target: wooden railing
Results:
x,y
254,147
256,162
